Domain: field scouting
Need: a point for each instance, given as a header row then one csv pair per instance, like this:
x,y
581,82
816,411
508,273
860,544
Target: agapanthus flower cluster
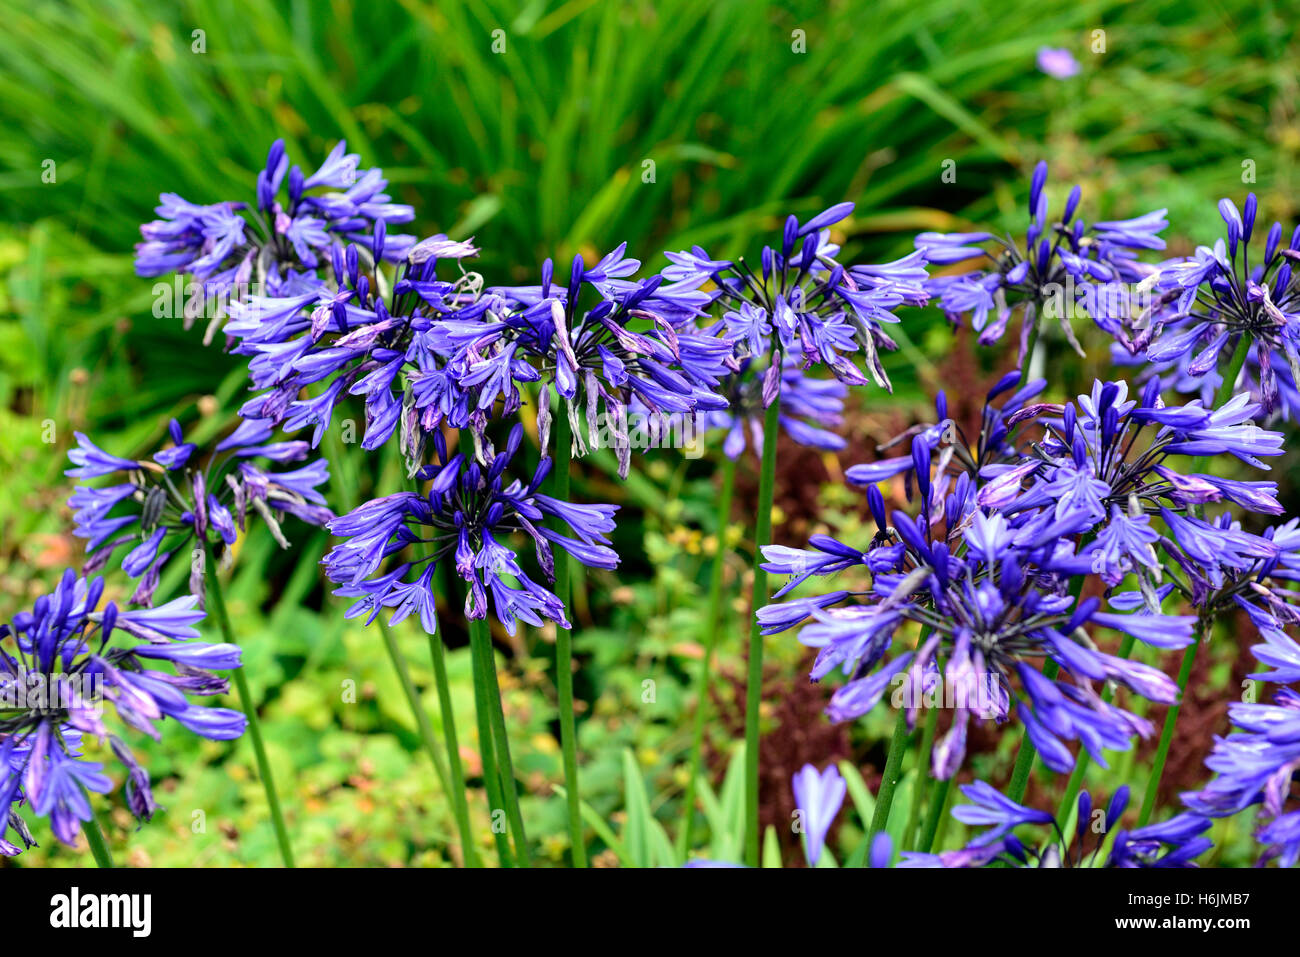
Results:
x,y
60,663
1106,464
1064,265
633,349
434,352
802,302
182,501
1209,302
1010,528
1259,761
279,241
469,514
1099,842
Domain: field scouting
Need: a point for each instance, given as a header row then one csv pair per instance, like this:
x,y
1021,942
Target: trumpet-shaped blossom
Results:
x,y
819,797
992,590
432,352
1010,526
801,301
1107,463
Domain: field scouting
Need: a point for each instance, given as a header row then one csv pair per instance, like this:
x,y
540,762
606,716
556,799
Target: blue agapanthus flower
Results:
x,y
181,499
436,352
1259,762
1209,301
469,515
1109,463
60,664
801,301
1064,265
295,222
1173,843
992,588
632,349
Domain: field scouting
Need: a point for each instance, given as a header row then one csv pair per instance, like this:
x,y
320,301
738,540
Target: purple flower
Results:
x,y
802,304
1222,297
224,245
1062,266
469,515
166,515
61,670
1057,62
819,797
1173,843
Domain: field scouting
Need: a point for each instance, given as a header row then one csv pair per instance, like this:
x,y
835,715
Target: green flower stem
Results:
x,y
945,816
459,795
1027,753
933,816
754,684
481,655
1085,759
564,653
922,776
1030,346
95,836
1171,721
481,637
250,710
889,779
412,699
453,785
704,683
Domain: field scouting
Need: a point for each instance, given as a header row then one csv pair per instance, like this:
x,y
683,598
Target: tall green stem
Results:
x,y
922,777
95,836
481,637
564,653
481,657
889,779
413,700
453,785
250,711
931,826
754,684
1030,346
711,622
460,797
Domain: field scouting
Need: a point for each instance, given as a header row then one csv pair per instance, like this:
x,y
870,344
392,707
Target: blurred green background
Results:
x,y
599,121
